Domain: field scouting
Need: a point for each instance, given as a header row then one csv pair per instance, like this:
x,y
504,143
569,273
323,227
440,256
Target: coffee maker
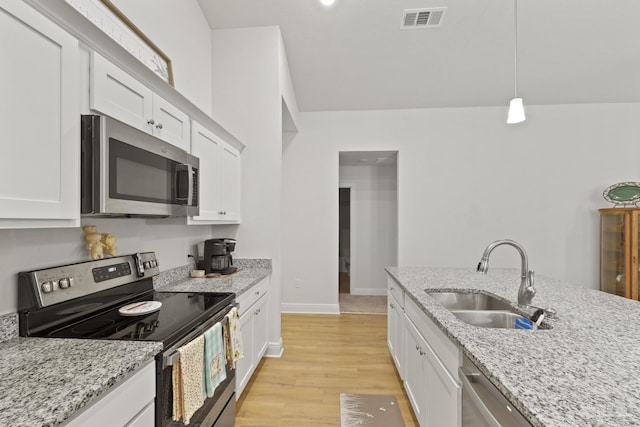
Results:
x,y
217,256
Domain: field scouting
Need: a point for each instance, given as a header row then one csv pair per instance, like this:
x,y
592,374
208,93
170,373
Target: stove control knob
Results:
x,y
139,265
64,283
47,287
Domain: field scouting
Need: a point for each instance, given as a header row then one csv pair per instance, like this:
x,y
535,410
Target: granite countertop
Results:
x,y
582,372
47,380
237,282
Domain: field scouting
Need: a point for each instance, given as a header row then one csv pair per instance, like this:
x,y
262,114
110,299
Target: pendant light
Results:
x,y
516,107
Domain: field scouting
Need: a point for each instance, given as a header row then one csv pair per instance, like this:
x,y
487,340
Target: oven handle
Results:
x,y
170,357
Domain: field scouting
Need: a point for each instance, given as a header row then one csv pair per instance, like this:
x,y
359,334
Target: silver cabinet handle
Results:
x,y
151,122
159,125
392,306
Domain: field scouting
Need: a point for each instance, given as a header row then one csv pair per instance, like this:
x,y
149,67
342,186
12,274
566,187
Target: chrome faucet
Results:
x,y
526,291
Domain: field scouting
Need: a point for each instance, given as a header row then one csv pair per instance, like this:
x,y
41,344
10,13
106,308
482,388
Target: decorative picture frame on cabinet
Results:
x,y
114,23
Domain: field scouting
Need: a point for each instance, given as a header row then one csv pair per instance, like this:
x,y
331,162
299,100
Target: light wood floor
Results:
x,y
324,355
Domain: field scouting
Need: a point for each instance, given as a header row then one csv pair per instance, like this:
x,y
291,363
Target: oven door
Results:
x,y
128,172
216,411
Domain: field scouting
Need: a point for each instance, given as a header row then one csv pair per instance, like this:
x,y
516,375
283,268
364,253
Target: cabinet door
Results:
x,y
40,121
415,363
229,177
170,124
444,395
130,403
260,324
246,365
205,145
116,94
395,332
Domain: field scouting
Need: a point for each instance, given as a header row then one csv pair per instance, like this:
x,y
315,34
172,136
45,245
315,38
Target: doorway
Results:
x,y
344,239
368,228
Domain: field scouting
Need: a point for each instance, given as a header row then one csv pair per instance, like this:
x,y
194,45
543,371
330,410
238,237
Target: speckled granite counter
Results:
x,y
249,273
582,372
46,380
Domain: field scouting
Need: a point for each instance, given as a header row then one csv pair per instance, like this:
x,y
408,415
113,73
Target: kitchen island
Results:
x,y
581,372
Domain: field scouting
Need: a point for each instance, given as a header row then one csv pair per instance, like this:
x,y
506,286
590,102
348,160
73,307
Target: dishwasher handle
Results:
x,y
467,378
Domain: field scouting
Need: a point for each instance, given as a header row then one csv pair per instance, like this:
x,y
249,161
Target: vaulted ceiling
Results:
x,y
355,56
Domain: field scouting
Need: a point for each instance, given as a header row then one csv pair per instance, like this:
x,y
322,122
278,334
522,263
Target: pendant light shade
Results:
x,y
516,111
516,106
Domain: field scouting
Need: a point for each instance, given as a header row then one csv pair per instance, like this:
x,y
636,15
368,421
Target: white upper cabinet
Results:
x,y
117,94
40,121
220,177
229,176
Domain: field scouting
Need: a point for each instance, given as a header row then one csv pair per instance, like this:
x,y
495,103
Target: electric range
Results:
x,y
114,299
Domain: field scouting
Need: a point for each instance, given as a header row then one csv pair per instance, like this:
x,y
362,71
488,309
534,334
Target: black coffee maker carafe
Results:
x,y
217,256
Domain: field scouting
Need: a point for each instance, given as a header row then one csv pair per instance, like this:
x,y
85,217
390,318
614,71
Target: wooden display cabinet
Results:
x,y
619,251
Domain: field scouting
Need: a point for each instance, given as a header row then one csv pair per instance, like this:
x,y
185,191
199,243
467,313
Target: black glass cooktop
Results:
x,y
179,313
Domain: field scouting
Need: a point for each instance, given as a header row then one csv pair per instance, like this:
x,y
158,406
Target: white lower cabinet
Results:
x,y
427,361
415,381
395,336
40,121
254,321
131,403
444,394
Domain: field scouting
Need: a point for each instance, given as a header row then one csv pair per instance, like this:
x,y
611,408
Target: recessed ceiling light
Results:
x,y
327,2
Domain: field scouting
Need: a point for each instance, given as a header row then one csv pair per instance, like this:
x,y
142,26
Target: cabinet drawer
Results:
x,y
396,291
251,295
446,351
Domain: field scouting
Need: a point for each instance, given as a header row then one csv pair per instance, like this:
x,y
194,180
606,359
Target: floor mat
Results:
x,y
363,304
369,410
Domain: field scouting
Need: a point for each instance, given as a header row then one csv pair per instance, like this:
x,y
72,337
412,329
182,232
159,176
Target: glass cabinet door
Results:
x,y
614,271
634,252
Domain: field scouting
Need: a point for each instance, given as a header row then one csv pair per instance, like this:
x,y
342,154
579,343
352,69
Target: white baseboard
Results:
x,y
310,308
369,291
274,349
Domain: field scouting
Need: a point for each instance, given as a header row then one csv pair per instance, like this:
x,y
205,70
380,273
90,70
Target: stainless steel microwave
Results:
x,y
126,172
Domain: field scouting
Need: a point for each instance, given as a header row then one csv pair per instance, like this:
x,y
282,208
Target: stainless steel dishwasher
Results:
x,y
482,403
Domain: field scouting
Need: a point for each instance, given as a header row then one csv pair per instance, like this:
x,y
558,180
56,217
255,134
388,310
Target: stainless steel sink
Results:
x,y
479,309
468,301
488,318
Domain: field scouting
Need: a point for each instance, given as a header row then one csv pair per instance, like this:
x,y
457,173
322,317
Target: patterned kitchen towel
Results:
x,y
187,378
233,338
214,360
176,379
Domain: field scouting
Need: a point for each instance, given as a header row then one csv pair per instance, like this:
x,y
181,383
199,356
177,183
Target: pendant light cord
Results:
x,y
515,50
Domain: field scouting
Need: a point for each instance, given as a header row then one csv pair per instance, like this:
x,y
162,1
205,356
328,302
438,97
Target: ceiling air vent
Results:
x,y
413,19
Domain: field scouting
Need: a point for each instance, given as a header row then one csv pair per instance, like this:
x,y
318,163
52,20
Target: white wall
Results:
x,y
465,178
180,30
247,101
374,207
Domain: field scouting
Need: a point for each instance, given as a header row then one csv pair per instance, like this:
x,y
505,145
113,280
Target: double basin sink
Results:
x,y
478,309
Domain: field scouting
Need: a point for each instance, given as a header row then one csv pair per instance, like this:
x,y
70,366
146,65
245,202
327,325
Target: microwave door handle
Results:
x,y
185,184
